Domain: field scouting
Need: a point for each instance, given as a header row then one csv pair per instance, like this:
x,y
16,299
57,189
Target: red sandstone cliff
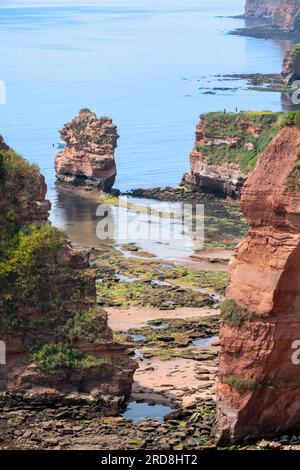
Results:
x,y
284,13
59,349
225,150
88,159
258,390
225,179
291,65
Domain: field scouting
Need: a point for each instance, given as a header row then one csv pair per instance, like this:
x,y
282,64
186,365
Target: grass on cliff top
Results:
x,y
220,125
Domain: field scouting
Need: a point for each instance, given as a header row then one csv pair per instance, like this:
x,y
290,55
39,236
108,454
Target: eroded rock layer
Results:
x,y
291,65
88,158
59,350
284,13
226,148
258,390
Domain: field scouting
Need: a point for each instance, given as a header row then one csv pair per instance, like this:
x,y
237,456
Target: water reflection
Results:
x,y
82,218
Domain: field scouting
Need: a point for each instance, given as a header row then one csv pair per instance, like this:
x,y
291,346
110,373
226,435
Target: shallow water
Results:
x,y
202,342
140,62
139,411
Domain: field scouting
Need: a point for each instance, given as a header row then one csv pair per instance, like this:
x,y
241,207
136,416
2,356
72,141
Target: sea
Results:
x,y
146,64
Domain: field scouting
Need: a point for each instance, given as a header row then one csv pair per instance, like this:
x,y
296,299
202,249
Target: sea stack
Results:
x,y
88,159
258,390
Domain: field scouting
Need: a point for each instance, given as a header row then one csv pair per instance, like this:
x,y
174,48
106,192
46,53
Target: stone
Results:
x,y
102,381
88,158
291,65
224,179
284,13
258,388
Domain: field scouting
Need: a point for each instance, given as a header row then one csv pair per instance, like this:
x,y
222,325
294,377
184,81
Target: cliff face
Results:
x,y
88,158
59,349
258,390
291,65
226,149
284,13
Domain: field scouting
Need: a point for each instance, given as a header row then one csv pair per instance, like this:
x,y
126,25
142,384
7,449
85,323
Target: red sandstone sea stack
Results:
x,y
88,158
258,389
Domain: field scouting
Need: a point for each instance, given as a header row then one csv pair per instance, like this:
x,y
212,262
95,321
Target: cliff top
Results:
x,y
236,138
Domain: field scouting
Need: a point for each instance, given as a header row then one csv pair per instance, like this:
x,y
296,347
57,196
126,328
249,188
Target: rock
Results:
x,y
88,159
258,390
284,13
77,369
291,65
219,138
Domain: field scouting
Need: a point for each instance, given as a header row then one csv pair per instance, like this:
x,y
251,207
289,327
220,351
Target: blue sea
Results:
x,y
144,63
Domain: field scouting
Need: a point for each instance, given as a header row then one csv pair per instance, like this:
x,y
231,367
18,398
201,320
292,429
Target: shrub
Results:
x,y
55,356
292,119
28,265
232,313
239,383
88,325
20,181
86,111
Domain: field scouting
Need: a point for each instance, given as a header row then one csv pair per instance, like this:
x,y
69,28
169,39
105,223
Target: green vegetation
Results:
x,y
251,133
34,281
239,383
292,118
86,111
168,339
52,357
138,293
295,51
19,180
232,313
28,268
88,325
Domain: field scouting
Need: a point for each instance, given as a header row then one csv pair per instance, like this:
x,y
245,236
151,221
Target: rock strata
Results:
x,y
284,13
258,390
88,158
225,150
59,350
291,65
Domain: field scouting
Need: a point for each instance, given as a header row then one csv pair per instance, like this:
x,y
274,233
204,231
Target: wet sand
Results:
x,y
177,381
123,319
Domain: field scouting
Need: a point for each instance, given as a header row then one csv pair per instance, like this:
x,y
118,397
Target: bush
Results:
x,y
292,119
88,325
232,313
239,383
20,181
86,111
28,265
55,356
